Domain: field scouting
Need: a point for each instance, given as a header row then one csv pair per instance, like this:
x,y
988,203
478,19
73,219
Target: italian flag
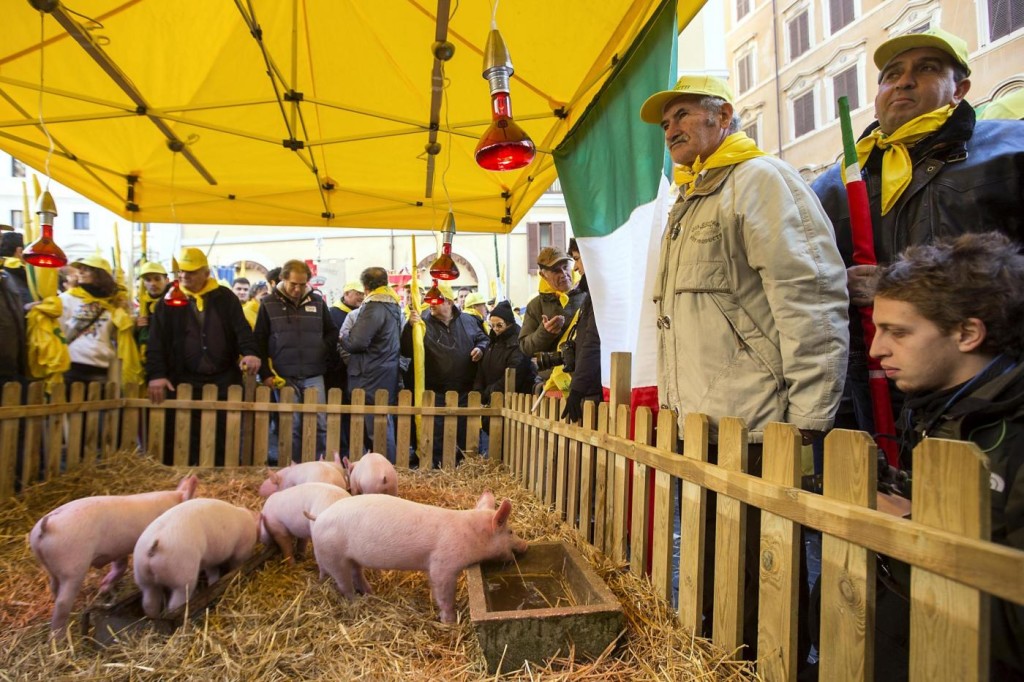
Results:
x,y
615,175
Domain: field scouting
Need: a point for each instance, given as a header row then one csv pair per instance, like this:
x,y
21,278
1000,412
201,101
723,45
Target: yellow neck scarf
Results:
x,y
147,304
12,263
127,351
211,285
386,290
896,165
545,288
340,305
734,149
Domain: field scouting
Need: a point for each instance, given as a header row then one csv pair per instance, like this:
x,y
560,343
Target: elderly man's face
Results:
x,y
691,130
913,83
194,280
559,275
241,290
353,299
442,311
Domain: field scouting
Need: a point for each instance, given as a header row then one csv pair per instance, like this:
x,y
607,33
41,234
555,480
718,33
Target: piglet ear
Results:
x,y
486,501
501,516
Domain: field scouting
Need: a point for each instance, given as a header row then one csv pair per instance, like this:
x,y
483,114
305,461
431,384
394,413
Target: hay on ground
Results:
x,y
281,623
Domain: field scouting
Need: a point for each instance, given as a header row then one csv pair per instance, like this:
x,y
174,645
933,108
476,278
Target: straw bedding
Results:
x,y
280,623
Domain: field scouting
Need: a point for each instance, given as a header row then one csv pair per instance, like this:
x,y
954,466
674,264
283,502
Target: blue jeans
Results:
x,y
300,385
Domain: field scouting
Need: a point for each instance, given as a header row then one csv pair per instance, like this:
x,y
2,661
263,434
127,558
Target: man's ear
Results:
x,y
727,113
971,334
961,91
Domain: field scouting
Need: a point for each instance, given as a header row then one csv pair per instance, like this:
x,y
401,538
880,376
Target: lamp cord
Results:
x,y
42,121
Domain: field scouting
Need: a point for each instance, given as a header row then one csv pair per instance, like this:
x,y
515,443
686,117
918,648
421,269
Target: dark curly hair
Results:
x,y
978,275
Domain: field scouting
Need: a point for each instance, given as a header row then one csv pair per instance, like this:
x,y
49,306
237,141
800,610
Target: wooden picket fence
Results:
x,y
611,487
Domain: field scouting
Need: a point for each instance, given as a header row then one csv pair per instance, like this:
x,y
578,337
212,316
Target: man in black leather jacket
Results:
x,y
964,175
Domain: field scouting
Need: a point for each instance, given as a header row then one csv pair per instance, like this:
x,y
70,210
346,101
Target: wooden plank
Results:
x,y
539,452
76,423
664,526
334,397
248,421
620,498
285,423
550,454
261,429
587,474
619,387
638,549
601,491
473,426
129,439
208,428
426,444
518,447
233,429
730,541
54,436
561,467
310,396
380,422
156,426
403,435
847,649
111,420
9,441
692,516
779,561
949,622
182,427
91,434
32,437
497,432
572,481
451,424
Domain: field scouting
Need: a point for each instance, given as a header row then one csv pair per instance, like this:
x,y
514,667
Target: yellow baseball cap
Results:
x,y
446,290
954,46
151,268
94,261
353,286
191,259
475,298
652,109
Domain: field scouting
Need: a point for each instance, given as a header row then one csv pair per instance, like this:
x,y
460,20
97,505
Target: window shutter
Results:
x,y
1004,17
558,235
532,247
803,114
845,83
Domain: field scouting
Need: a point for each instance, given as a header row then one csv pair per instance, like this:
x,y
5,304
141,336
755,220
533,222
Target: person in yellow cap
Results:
x,y
453,342
351,298
550,313
931,170
153,285
97,325
476,305
750,294
199,343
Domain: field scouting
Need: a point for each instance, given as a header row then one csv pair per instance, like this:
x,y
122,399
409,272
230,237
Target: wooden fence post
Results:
x,y
91,449
643,433
32,437
664,496
587,474
111,419
496,431
426,439
550,457
155,421
692,516
261,430
310,396
334,397
182,426
55,435
380,421
949,622
9,441
130,419
233,429
248,422
208,436
404,432
601,492
473,426
778,604
285,425
730,540
847,649
451,424
619,490
75,421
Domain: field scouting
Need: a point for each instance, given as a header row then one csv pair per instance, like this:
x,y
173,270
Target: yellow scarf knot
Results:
x,y
211,285
545,288
897,168
734,149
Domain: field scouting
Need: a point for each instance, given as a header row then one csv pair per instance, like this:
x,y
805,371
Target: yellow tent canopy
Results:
x,y
308,112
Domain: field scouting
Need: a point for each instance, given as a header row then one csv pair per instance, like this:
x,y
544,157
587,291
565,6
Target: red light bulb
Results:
x,y
433,295
43,252
175,297
504,146
444,266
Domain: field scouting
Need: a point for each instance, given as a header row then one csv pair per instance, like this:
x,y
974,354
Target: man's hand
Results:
x,y
573,412
158,390
414,316
476,354
142,321
269,382
553,325
860,280
250,364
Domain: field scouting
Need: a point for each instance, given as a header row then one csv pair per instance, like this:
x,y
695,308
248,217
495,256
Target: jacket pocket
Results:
x,y
702,277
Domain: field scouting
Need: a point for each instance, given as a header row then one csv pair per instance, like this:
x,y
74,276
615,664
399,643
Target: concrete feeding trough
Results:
x,y
539,605
106,623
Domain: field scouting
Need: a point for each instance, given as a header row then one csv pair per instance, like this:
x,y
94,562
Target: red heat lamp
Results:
x,y
433,295
504,145
44,252
175,297
444,266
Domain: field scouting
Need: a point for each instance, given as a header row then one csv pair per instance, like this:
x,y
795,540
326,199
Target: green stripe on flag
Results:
x,y
611,161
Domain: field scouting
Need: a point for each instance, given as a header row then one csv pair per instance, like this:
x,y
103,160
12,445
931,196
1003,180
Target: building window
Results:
x,y
751,131
921,28
798,30
845,83
17,220
542,235
17,168
1004,17
745,72
556,187
742,8
840,14
803,113
81,221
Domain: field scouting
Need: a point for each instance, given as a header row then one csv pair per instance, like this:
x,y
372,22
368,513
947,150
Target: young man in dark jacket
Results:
x,y
453,343
950,333
373,342
297,339
199,343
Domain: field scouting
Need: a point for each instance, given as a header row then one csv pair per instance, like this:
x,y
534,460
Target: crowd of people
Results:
x,y
764,304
